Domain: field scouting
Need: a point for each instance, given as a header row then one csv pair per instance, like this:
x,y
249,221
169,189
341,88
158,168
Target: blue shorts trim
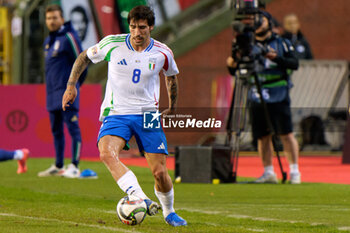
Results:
x,y
126,126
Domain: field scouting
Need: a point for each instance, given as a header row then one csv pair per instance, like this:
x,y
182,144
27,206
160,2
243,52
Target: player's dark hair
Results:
x,y
142,12
81,10
51,8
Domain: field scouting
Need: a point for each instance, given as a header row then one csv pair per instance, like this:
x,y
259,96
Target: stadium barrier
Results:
x,y
24,120
319,84
321,89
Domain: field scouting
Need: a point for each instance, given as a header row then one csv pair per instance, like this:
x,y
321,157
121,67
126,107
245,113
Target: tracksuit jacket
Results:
x,y
61,49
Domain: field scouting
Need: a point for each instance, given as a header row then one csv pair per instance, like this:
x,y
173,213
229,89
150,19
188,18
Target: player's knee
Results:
x,y
160,173
105,155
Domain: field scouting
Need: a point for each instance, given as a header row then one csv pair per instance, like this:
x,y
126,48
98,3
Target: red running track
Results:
x,y
319,169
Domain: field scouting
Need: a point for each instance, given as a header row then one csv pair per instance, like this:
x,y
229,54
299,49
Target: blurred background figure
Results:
x,y
292,32
62,47
21,155
79,21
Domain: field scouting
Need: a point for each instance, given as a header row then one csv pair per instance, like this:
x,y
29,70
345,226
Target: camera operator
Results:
x,y
277,58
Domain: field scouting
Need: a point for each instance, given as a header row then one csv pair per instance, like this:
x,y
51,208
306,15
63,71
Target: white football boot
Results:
x,y
51,171
71,172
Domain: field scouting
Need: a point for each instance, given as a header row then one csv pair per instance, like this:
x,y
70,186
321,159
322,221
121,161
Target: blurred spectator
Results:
x,y
292,32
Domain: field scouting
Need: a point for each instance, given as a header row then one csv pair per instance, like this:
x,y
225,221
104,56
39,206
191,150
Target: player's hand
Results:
x,y
168,111
69,96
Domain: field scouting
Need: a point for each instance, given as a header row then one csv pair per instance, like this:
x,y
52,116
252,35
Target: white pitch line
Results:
x,y
105,211
160,216
238,216
284,206
68,222
115,212
253,229
278,208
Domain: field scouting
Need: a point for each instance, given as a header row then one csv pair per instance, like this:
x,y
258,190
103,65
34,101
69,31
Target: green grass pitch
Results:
x,y
55,204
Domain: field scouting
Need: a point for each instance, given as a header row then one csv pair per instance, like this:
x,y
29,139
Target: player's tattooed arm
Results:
x,y
71,92
79,66
172,87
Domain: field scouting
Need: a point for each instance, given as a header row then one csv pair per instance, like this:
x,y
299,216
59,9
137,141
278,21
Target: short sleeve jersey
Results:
x,y
133,77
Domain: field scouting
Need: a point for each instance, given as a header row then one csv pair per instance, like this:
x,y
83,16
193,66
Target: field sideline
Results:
x,y
55,204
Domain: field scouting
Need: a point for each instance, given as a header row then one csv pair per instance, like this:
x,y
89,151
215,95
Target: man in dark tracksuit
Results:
x,y
61,47
275,84
292,32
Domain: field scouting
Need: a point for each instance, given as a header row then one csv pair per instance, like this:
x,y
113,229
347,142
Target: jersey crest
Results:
x,y
152,63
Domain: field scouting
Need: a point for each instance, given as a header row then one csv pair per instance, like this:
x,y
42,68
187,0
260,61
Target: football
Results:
x,y
131,210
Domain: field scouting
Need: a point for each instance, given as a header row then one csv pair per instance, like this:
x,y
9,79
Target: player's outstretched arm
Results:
x,y
172,87
79,66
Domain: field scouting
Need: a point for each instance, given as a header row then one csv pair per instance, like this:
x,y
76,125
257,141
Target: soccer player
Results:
x,y
134,63
62,47
21,155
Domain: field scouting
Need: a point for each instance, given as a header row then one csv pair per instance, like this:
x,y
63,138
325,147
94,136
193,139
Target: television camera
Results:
x,y
249,56
245,50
